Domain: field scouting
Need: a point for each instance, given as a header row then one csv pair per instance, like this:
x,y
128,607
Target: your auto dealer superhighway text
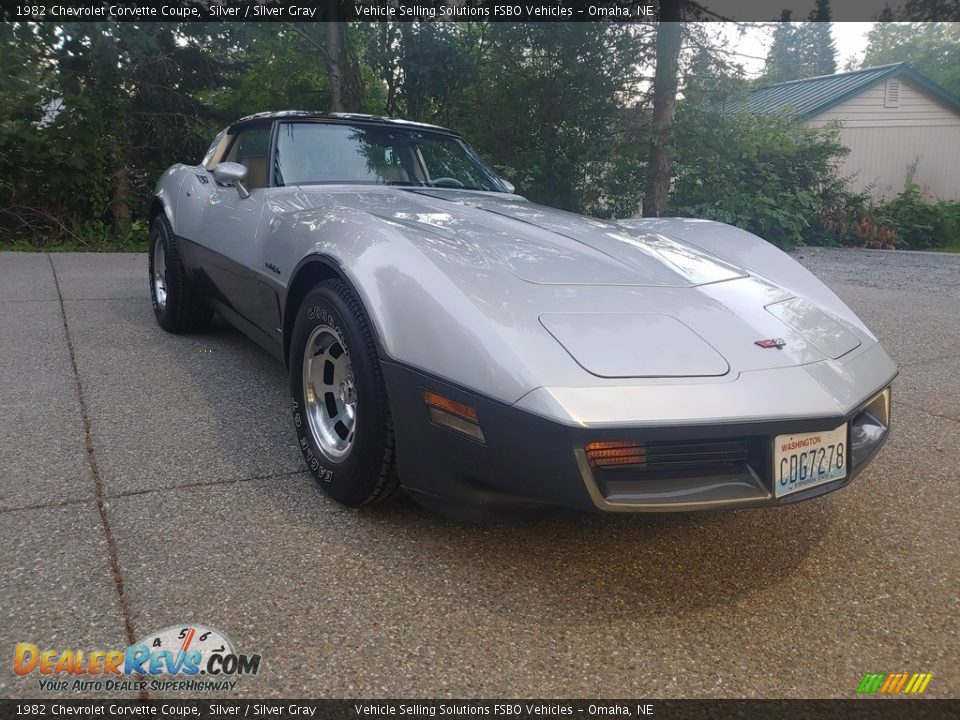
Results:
x,y
77,12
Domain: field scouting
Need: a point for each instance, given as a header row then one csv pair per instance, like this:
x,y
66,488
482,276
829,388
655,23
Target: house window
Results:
x,y
891,98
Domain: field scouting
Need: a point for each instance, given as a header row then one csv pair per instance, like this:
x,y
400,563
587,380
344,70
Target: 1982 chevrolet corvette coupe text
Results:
x,y
447,336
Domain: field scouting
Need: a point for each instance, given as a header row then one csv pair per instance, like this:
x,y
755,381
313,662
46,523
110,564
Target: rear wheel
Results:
x,y
177,305
340,407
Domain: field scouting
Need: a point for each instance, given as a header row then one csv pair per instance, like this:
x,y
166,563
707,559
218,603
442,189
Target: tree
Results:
x,y
129,108
35,174
435,65
577,115
271,67
932,49
932,10
333,54
656,192
332,39
710,76
547,101
817,49
802,50
783,59
386,63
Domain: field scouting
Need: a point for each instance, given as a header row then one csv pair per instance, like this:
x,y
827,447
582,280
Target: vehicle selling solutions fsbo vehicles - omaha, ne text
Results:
x,y
446,336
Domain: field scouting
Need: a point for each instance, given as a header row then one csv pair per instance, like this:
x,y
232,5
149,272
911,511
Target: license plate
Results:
x,y
805,460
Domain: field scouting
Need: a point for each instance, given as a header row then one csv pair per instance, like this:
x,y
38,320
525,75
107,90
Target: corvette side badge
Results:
x,y
777,343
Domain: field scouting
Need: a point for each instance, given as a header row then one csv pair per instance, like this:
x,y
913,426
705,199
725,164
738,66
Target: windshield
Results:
x,y
310,153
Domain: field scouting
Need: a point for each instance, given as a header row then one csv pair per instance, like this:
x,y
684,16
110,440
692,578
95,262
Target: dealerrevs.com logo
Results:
x,y
186,657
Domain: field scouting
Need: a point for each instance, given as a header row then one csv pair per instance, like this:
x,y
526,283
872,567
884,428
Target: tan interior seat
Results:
x,y
256,171
393,173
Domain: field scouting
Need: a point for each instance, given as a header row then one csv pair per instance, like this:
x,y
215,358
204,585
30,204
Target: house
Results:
x,y
894,120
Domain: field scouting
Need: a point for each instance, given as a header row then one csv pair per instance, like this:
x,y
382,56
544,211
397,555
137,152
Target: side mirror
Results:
x,y
508,185
231,173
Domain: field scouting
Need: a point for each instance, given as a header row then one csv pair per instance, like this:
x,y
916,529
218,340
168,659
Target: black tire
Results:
x,y
367,473
183,310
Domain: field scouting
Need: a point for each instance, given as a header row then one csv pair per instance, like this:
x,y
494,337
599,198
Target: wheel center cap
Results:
x,y
348,394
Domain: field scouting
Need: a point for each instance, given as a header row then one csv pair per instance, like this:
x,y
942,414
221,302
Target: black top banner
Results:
x,y
464,10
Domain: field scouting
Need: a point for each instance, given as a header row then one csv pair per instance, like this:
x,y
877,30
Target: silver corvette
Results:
x,y
449,337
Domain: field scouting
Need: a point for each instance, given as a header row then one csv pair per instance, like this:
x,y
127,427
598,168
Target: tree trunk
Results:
x,y
354,94
334,55
411,91
120,194
669,39
386,67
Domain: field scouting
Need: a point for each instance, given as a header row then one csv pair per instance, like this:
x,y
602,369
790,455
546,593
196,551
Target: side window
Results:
x,y
252,148
215,148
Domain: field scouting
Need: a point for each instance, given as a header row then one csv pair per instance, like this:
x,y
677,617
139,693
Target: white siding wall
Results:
x,y
885,141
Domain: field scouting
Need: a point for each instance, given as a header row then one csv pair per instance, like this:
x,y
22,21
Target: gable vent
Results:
x,y
891,98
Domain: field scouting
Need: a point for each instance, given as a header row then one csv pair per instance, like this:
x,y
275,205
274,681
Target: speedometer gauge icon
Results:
x,y
180,639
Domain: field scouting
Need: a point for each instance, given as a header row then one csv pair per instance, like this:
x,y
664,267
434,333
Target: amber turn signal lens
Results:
x,y
453,415
450,406
606,454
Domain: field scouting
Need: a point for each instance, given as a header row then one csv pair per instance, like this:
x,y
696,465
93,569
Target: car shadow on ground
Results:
x,y
603,566
553,567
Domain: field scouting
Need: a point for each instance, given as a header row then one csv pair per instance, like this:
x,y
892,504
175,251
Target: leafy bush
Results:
x,y
919,225
904,222
769,175
72,235
846,219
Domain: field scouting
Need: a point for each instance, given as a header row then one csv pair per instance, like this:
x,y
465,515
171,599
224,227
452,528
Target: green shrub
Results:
x,y
768,174
917,224
71,235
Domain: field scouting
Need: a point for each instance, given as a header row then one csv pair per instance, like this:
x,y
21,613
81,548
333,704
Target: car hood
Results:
x,y
543,245
621,302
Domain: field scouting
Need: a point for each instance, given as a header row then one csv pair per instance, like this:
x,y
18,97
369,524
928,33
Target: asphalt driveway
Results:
x,y
148,480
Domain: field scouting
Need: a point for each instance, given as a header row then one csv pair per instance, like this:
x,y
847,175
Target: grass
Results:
x,y
105,246
91,240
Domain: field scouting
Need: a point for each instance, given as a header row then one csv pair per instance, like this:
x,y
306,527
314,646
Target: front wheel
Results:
x,y
340,407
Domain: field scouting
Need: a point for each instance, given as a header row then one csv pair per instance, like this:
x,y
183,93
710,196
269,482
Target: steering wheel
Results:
x,y
447,182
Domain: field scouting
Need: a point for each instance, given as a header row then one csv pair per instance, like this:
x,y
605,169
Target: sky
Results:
x,y
751,48
851,39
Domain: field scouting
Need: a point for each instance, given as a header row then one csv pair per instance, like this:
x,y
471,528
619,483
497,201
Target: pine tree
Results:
x,y
818,52
783,60
932,10
802,50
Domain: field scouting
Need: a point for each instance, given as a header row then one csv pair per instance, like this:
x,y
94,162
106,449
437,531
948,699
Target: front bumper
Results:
x,y
527,461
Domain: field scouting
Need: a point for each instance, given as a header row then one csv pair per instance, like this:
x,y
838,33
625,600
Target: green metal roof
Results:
x,y
812,96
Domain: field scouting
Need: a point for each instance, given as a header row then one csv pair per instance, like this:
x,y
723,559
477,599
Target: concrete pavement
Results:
x,y
148,480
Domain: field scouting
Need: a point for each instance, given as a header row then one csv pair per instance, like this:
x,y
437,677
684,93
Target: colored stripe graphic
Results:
x,y
871,682
893,683
922,682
